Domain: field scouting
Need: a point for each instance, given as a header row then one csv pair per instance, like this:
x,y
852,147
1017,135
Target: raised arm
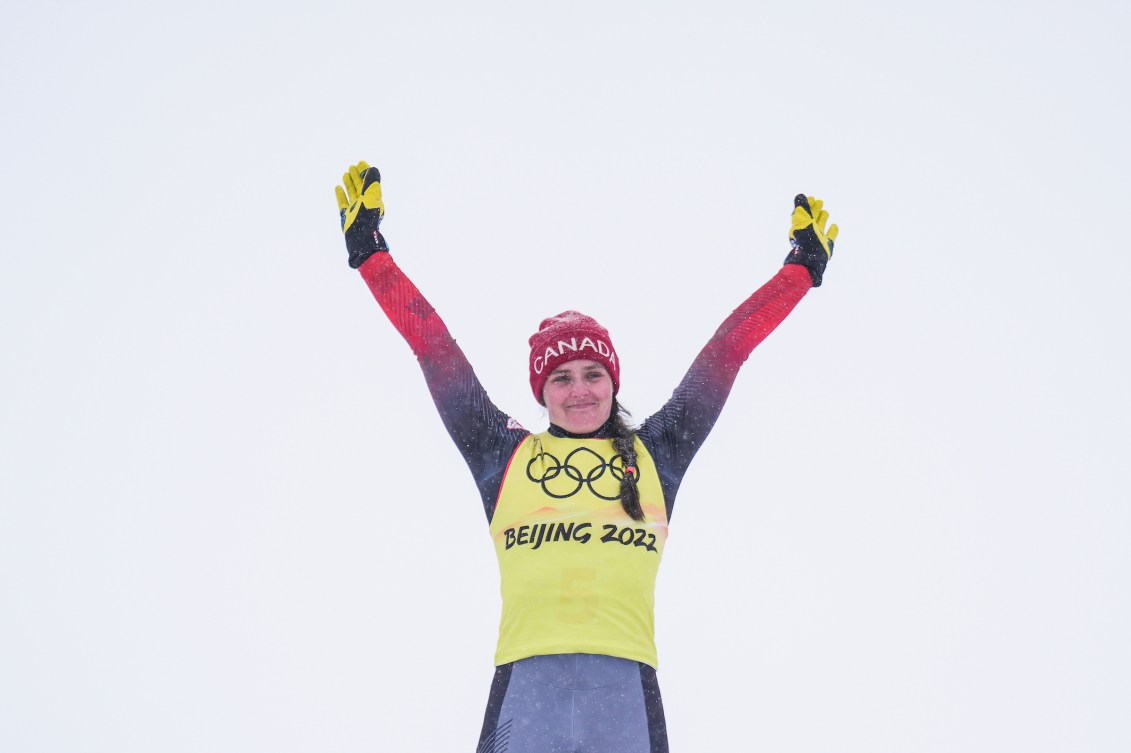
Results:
x,y
484,435
676,432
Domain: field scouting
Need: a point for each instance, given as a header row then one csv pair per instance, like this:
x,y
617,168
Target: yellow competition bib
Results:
x,y
578,574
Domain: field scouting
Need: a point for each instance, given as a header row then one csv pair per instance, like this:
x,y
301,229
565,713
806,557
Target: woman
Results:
x,y
579,513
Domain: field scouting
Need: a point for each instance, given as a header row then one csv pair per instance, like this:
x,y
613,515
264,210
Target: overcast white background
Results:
x,y
230,520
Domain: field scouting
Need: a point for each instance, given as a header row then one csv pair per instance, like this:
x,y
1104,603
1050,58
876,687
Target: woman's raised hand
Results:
x,y
361,209
810,244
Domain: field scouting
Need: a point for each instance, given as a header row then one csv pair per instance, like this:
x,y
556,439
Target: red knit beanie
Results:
x,y
570,336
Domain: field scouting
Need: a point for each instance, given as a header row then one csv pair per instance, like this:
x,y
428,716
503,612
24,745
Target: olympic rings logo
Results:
x,y
561,479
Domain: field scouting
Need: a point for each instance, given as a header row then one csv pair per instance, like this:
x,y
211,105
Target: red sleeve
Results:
x,y
484,434
753,321
408,310
674,433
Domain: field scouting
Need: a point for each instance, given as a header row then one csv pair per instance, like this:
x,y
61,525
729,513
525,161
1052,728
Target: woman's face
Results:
x,y
579,396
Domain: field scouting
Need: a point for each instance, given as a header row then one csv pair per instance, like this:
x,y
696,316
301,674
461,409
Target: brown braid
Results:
x,y
624,441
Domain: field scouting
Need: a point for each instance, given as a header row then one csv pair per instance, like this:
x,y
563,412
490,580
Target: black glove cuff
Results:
x,y
816,270
360,256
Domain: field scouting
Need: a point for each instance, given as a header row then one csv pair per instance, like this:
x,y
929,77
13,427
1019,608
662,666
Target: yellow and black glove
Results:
x,y
361,210
811,246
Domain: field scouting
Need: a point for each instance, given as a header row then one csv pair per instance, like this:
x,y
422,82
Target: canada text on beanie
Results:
x,y
570,336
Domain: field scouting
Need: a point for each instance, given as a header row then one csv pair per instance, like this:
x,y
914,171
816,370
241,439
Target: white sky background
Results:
x,y
231,520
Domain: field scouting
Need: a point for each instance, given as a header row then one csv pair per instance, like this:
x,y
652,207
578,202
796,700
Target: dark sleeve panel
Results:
x,y
485,436
676,432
